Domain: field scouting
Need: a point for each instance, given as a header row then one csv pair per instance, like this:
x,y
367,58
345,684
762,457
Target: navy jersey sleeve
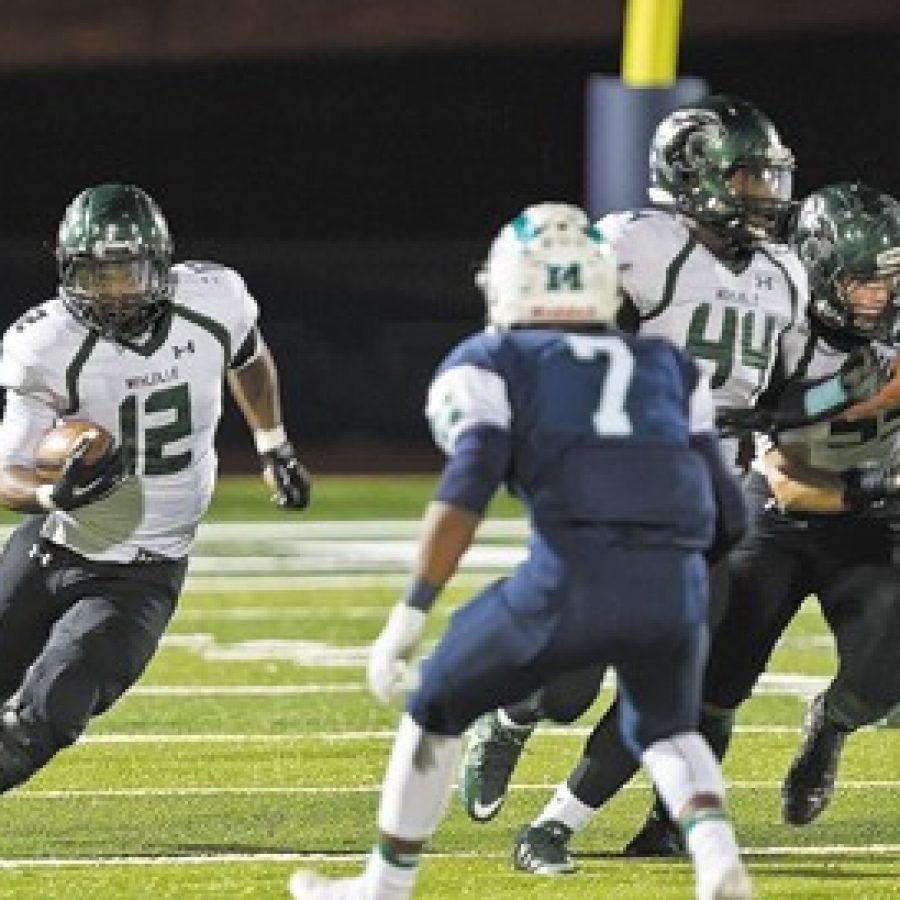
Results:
x,y
470,415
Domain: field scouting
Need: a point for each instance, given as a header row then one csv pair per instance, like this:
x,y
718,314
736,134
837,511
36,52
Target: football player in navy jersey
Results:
x,y
608,440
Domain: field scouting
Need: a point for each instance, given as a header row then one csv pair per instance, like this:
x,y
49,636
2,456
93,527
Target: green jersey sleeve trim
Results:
x,y
74,371
672,272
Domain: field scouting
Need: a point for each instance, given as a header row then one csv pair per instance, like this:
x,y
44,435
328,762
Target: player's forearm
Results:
x,y
802,488
447,534
256,392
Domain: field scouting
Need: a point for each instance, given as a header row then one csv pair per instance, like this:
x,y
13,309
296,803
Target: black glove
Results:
x,y
81,482
290,480
865,372
733,421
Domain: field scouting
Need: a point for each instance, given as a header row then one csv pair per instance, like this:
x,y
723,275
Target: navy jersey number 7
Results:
x,y
579,417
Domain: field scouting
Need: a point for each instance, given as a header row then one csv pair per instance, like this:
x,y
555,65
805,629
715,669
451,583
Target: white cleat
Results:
x,y
305,885
732,883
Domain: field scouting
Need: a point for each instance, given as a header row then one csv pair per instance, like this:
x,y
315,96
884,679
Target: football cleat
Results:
x,y
305,885
542,849
487,765
658,837
809,784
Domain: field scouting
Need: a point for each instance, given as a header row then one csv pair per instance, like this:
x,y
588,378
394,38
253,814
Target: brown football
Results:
x,y
58,442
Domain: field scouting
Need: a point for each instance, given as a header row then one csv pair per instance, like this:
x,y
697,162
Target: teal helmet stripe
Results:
x,y
524,228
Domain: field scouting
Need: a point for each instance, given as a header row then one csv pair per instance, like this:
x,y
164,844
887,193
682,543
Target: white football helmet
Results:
x,y
549,266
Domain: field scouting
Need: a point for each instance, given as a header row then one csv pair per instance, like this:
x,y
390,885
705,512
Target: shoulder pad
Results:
x,y
38,348
478,349
218,293
201,277
646,242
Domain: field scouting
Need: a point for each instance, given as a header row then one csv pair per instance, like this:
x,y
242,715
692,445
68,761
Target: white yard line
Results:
x,y
337,736
802,686
328,789
230,858
321,581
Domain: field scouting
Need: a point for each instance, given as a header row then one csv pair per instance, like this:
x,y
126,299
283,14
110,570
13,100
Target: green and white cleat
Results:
x,y
543,849
487,765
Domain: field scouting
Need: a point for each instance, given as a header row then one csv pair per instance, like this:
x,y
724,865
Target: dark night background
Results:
x,y
356,192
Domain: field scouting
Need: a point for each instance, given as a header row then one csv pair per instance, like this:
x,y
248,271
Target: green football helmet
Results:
x,y
721,162
848,233
114,255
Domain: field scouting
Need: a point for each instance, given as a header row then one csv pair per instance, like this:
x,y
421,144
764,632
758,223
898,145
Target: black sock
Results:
x,y
717,726
607,763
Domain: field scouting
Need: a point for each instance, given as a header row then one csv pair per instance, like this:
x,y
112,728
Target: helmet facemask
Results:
x,y
114,258
722,164
868,304
118,297
848,237
758,199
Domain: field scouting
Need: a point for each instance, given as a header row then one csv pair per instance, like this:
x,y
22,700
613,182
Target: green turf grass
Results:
x,y
221,793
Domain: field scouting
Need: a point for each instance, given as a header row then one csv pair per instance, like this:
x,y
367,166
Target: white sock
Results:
x,y
682,767
565,807
507,722
712,839
386,881
418,781
714,851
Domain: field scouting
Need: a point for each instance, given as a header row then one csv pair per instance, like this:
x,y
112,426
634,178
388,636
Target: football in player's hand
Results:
x,y
58,444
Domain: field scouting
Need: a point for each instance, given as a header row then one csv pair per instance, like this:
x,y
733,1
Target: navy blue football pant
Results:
x,y
74,635
583,598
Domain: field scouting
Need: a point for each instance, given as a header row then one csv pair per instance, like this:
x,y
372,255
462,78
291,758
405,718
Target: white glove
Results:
x,y
390,672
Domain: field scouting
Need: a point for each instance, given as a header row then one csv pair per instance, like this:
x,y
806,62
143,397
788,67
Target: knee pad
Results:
x,y
67,704
61,693
24,745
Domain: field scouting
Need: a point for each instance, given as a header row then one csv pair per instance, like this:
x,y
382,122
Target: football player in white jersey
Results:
x,y
141,347
705,268
825,501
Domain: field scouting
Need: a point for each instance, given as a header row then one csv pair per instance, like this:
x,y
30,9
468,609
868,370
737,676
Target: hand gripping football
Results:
x,y
57,445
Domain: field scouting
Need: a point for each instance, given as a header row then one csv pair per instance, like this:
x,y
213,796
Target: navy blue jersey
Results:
x,y
584,428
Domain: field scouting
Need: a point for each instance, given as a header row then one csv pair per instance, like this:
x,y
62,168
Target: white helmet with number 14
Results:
x,y
550,266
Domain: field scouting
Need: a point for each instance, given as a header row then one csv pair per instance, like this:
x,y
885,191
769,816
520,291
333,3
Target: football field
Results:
x,y
251,746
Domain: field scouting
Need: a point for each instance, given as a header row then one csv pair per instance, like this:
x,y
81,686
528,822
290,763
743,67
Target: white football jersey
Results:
x,y
161,400
837,445
729,320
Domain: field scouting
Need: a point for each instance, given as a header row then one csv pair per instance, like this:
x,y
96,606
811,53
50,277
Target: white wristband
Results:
x,y
267,439
44,497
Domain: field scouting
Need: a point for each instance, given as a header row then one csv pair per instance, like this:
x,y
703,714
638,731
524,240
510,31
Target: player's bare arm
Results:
x,y
254,386
799,487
